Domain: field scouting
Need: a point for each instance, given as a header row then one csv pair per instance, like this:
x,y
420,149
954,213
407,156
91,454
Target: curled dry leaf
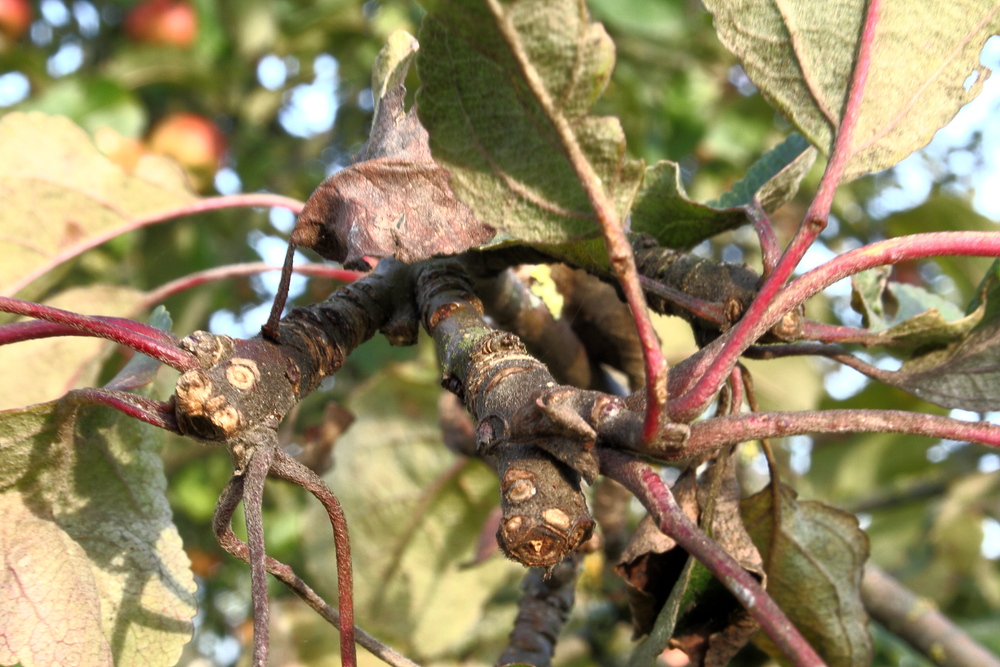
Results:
x,y
393,200
711,625
956,365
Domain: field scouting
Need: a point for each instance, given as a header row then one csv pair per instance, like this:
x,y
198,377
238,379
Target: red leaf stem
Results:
x,y
915,246
689,406
191,280
770,249
149,340
619,249
157,413
254,199
710,434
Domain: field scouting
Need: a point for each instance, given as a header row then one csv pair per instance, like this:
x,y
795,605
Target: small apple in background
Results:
x,y
15,18
194,141
166,22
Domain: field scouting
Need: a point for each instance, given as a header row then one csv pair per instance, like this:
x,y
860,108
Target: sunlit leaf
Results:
x,y
802,54
662,209
59,193
92,570
906,315
490,132
815,556
415,512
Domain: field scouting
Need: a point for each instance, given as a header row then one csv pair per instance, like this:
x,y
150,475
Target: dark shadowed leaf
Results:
x,y
490,132
815,556
59,193
708,624
960,368
393,200
92,570
801,54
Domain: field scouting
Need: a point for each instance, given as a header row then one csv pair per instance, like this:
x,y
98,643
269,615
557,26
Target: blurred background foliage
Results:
x,y
273,95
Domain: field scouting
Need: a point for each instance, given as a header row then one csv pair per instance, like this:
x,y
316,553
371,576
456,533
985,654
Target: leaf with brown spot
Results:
x,y
393,200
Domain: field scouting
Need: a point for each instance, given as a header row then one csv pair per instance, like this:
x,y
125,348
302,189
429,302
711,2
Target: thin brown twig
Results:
x,y
229,499
253,502
291,470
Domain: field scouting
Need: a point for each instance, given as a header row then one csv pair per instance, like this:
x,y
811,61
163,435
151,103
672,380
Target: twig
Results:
x,y
224,510
770,249
919,623
710,434
542,611
253,502
248,200
173,287
291,470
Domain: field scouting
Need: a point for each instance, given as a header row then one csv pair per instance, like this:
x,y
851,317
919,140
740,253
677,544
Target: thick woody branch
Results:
x,y
522,428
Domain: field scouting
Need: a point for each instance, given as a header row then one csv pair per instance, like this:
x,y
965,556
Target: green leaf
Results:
x,y
56,365
774,178
490,132
415,513
92,570
802,54
59,193
958,363
815,558
662,209
92,104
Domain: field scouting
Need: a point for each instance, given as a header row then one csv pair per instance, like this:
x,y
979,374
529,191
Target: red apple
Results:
x,y
193,140
168,22
15,18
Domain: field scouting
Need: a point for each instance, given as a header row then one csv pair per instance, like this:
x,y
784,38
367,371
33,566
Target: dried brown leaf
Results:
x,y
393,200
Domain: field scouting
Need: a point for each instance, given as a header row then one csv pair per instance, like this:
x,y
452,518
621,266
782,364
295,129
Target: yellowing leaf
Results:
x,y
802,54
92,571
59,193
